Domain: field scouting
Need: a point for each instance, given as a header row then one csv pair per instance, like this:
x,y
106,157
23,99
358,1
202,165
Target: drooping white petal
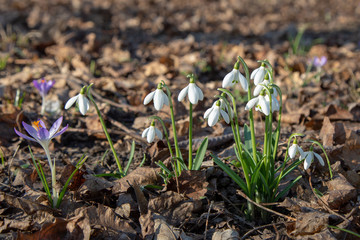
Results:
x,y
228,80
301,152
165,98
200,93
158,133
214,116
254,73
207,112
308,159
265,108
145,132
151,134
225,116
83,104
292,150
149,97
275,104
71,101
320,159
193,96
183,93
158,99
258,89
251,103
243,82
259,76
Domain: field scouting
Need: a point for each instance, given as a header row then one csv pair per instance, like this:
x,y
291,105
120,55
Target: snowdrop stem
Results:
x,y
251,116
105,130
43,103
177,149
190,134
278,128
165,133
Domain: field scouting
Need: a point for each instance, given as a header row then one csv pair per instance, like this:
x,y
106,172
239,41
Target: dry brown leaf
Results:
x,y
191,183
309,223
147,225
142,176
224,235
340,192
332,134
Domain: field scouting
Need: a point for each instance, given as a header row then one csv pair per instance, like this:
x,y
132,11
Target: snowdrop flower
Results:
x,y
309,157
81,100
150,133
260,104
213,114
258,74
319,62
261,85
43,86
159,97
40,134
275,106
192,90
294,149
234,77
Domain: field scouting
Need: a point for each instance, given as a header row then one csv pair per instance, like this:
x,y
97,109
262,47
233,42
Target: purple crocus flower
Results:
x,y
40,134
43,86
319,62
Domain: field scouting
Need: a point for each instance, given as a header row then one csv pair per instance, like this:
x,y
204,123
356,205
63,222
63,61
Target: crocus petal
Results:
x,y
31,130
83,104
308,159
183,93
243,82
71,101
320,159
292,150
151,134
61,131
55,126
228,80
265,108
43,134
200,93
251,103
149,97
145,132
42,124
158,133
193,96
225,116
24,136
36,85
214,116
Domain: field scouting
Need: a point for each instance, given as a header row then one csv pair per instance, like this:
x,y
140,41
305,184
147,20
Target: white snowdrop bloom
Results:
x,y
275,106
159,98
294,149
309,158
260,104
213,114
193,91
150,133
81,100
258,74
234,77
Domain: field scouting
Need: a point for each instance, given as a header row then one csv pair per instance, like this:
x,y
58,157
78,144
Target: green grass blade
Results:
x,y
131,157
345,230
200,154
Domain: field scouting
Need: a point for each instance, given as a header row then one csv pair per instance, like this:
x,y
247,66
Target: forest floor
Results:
x,y
125,48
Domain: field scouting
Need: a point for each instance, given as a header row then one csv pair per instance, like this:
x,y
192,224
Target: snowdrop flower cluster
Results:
x,y
81,100
260,103
158,96
150,133
308,156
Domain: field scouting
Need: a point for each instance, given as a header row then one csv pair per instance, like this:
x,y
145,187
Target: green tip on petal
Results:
x,y
295,141
152,123
160,86
218,103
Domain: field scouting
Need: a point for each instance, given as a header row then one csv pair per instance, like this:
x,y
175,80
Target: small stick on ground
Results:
x,y
207,219
261,227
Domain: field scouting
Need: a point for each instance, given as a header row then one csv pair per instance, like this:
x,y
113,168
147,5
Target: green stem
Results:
x,y
279,123
177,149
43,105
251,116
53,177
105,131
190,135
